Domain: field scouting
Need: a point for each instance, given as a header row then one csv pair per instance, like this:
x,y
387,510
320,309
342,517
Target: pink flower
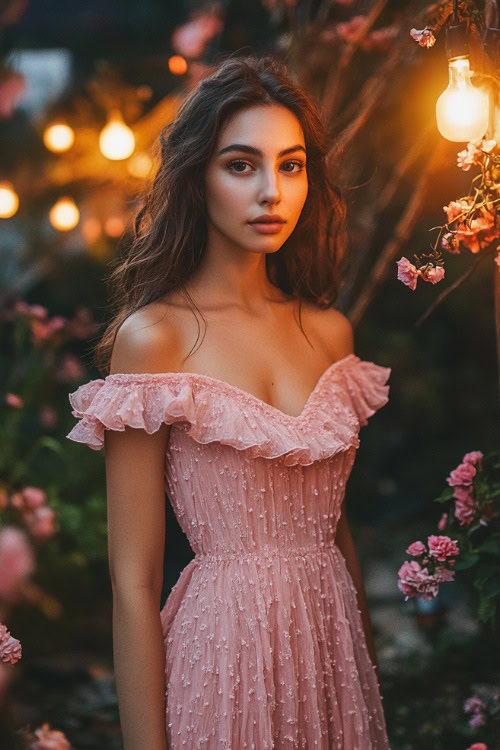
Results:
x,y
457,208
474,457
407,273
41,522
70,369
477,720
444,575
424,37
474,704
442,547
466,159
478,746
479,232
433,274
40,331
463,475
416,581
450,243
14,400
50,739
10,648
34,497
465,506
349,30
416,549
442,521
16,562
39,311
191,38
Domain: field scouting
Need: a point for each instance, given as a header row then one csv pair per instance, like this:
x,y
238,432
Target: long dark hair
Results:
x,y
170,229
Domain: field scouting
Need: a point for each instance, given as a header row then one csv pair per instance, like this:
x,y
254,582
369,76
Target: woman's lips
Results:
x,y
268,227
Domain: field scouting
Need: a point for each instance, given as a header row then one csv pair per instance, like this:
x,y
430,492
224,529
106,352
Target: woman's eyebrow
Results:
x,y
257,151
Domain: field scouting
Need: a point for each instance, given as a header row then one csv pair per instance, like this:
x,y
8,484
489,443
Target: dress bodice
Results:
x,y
243,477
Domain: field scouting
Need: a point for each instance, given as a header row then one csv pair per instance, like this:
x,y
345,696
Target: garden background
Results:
x,y
83,62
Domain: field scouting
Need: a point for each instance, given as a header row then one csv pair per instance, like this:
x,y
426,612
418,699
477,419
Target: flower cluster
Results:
x,y
50,739
467,508
10,647
472,221
433,566
31,505
484,702
376,40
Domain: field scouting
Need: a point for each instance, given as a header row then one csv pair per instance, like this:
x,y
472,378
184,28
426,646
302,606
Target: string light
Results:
x,y
9,200
177,65
58,137
64,215
116,139
462,110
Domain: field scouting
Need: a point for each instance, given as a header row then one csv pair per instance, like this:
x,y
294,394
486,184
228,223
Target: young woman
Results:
x,y
265,640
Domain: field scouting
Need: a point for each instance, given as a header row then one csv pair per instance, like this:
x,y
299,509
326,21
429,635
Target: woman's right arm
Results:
x,y
135,489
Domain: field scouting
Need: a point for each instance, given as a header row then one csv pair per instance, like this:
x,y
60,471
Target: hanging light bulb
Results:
x,y
58,137
116,140
462,110
9,200
64,215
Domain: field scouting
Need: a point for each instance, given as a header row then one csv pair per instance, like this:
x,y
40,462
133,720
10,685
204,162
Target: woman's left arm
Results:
x,y
345,543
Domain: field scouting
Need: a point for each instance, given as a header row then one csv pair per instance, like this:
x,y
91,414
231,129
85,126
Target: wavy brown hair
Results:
x,y
170,229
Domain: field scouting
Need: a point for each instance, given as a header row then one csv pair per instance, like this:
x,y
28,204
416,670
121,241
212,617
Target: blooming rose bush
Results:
x,y
473,519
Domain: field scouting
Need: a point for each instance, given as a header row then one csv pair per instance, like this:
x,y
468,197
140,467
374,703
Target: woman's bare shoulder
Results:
x,y
334,328
148,341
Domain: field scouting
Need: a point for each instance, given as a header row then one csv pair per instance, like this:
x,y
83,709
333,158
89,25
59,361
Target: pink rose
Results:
x,y
444,575
34,497
465,506
10,648
442,547
474,457
442,521
433,274
416,549
477,746
14,400
416,581
463,474
407,273
41,522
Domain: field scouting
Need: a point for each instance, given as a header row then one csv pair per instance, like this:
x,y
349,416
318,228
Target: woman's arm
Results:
x,y
135,465
136,539
345,543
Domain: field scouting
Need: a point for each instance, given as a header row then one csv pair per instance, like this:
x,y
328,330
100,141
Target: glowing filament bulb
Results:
x,y
462,109
116,140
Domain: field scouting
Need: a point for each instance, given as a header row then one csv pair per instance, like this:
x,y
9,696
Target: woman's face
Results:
x,y
250,175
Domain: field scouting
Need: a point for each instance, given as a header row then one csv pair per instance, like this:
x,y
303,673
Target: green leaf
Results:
x,y
466,561
491,547
491,588
486,609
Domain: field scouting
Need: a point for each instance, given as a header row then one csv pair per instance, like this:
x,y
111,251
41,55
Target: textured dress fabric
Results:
x,y
264,642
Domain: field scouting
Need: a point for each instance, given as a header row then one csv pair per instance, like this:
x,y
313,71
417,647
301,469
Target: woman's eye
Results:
x,y
238,163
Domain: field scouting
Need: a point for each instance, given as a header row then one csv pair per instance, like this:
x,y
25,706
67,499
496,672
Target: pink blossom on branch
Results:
x,y
442,521
191,38
424,37
416,549
407,273
434,274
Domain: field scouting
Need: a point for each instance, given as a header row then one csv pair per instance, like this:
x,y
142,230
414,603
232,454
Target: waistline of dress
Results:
x,y
264,554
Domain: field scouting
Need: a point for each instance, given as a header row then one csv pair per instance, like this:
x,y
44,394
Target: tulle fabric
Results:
x,y
264,643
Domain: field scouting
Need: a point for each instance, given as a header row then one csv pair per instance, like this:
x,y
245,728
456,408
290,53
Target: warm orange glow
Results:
x,y
114,226
9,200
140,165
177,65
116,139
64,215
58,137
91,229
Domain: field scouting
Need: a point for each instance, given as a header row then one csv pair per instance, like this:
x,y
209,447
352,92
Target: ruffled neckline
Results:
x,y
234,389
211,410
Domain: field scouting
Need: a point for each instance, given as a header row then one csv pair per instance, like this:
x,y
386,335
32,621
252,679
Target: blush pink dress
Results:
x,y
264,643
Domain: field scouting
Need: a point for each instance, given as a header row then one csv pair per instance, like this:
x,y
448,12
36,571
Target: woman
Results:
x,y
265,640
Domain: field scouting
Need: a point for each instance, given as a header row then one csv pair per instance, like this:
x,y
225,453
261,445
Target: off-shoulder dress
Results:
x,y
264,643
